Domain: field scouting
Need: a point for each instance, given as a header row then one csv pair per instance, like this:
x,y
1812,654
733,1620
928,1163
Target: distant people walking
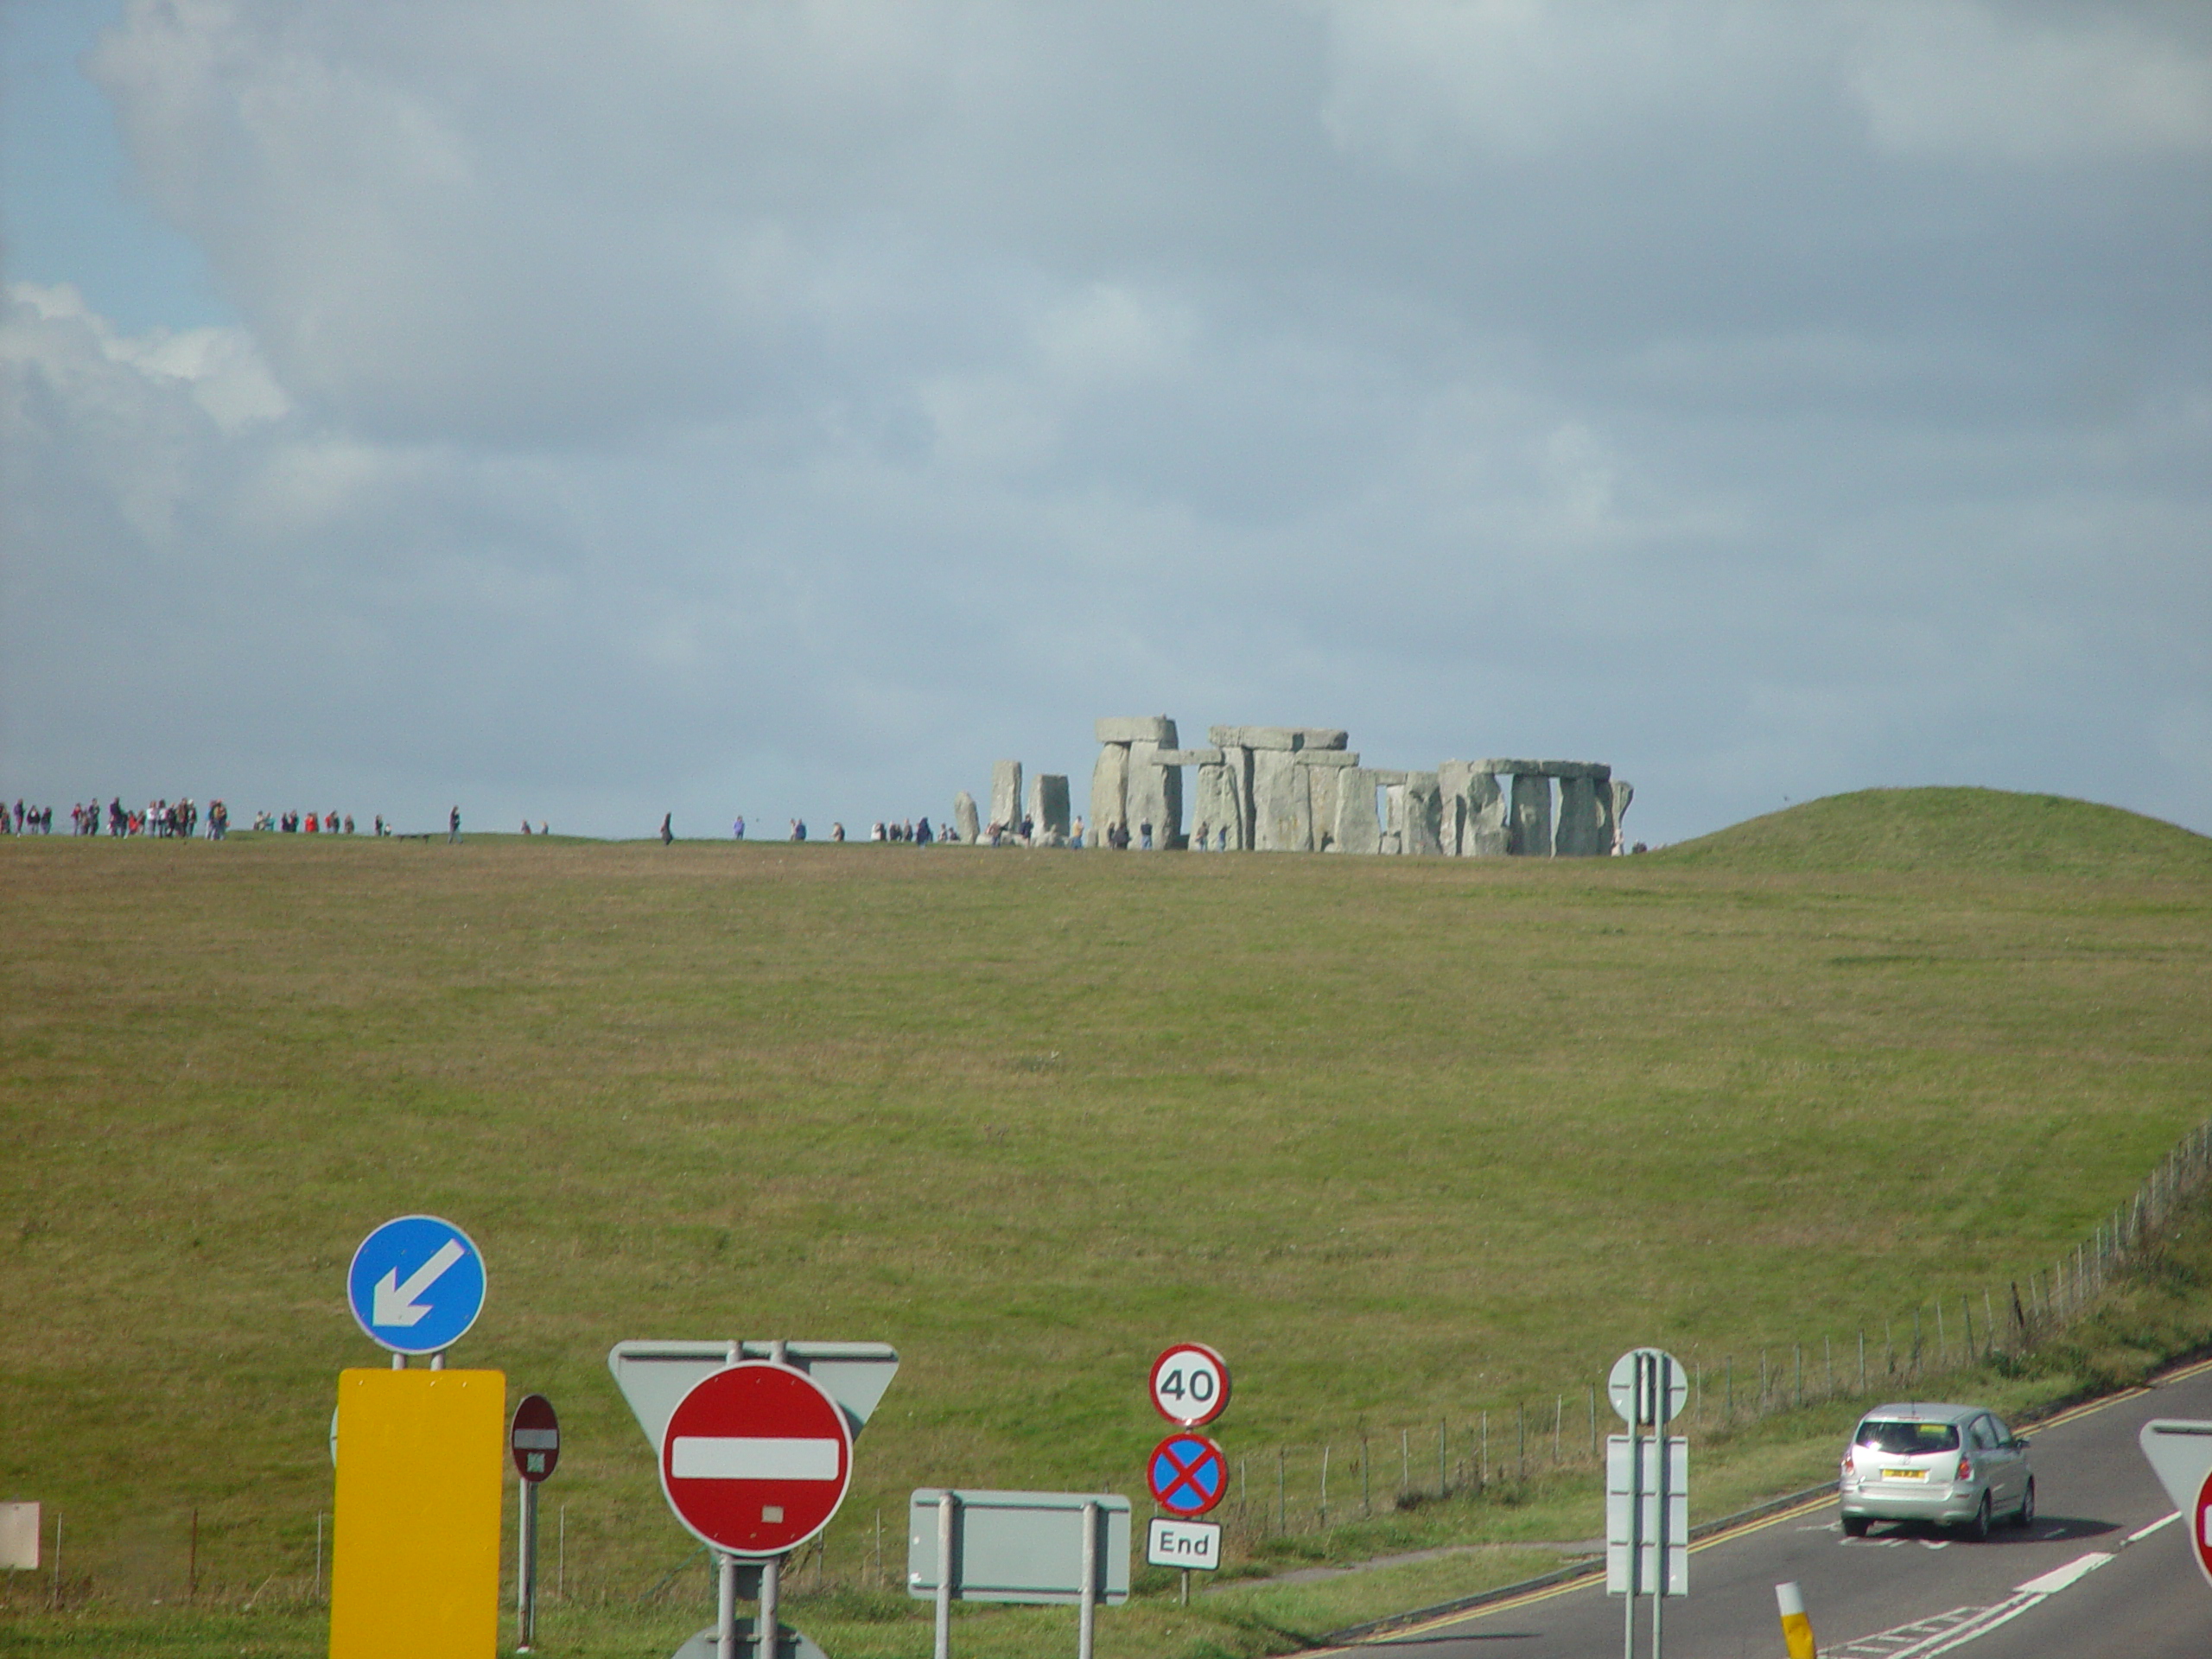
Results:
x,y
453,825
1074,836
667,834
1144,830
737,829
798,829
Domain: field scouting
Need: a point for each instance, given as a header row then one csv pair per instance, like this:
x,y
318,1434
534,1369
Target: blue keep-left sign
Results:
x,y
416,1285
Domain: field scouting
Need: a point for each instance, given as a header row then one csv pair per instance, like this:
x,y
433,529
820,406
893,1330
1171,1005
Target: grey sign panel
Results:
x,y
2179,1452
1025,1547
19,1534
654,1376
1633,1501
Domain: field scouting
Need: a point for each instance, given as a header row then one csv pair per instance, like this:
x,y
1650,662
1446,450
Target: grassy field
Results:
x,y
1410,1140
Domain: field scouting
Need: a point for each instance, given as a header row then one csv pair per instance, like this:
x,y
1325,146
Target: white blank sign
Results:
x,y
19,1531
712,1457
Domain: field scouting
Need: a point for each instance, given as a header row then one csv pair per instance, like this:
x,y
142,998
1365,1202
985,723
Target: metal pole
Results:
x,y
1089,1610
1634,1512
1661,1393
526,1568
318,1557
561,1559
766,1637
726,1606
945,1502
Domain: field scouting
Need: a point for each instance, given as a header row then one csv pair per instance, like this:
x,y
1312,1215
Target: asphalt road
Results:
x,y
2096,1574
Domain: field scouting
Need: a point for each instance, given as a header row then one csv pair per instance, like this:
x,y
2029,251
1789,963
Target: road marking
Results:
x,y
2141,1533
2050,1583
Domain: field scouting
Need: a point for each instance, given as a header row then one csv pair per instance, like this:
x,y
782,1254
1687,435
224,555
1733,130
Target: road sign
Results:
x,y
1020,1547
1646,1509
414,1567
756,1458
2200,1530
1649,1393
416,1285
19,1535
654,1376
1189,1384
1190,1544
534,1438
1188,1473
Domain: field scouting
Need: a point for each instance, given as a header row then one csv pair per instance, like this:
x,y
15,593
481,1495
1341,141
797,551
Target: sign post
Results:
x,y
1054,1548
1647,1491
534,1442
1188,1473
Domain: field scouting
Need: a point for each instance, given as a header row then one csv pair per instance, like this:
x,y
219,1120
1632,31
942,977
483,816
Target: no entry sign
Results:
x,y
2202,1532
534,1438
1189,1384
756,1458
1188,1473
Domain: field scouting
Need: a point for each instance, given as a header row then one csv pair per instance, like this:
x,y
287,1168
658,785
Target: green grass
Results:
x,y
1408,1140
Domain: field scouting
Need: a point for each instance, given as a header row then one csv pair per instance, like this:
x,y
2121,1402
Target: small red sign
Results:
x,y
2202,1532
756,1458
534,1438
1188,1475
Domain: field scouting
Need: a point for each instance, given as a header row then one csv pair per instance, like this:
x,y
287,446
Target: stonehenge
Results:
x,y
1300,789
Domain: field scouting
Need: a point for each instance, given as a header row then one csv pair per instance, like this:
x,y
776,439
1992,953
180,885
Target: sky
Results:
x,y
587,412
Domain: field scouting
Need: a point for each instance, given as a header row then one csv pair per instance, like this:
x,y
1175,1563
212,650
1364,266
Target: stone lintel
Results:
x,y
1136,728
1185,757
1327,757
1254,737
1596,771
1323,737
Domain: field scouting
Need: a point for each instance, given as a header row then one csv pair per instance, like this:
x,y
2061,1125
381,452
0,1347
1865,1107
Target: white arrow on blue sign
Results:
x,y
416,1285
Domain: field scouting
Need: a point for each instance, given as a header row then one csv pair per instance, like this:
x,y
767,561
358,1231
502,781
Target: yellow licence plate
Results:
x,y
1904,1474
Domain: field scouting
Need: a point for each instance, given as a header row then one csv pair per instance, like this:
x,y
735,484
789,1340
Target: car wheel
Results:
x,y
1854,1526
1978,1528
2026,1518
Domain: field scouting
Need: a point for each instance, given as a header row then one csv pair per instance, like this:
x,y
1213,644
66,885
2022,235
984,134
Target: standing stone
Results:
x,y
1048,806
1455,779
1322,784
1530,829
1237,764
1357,828
1155,791
1394,817
1485,834
1283,806
966,823
1622,792
1005,794
1110,794
1585,829
1423,812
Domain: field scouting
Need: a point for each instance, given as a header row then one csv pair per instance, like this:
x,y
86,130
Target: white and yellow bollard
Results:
x,y
1797,1628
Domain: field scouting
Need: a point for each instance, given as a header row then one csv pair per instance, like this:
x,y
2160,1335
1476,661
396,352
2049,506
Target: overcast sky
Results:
x,y
589,411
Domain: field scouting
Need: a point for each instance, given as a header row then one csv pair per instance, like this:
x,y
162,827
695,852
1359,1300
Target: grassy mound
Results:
x,y
1411,1140
1955,831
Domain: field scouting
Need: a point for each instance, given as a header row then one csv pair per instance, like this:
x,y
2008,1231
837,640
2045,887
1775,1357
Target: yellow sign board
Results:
x,y
414,1567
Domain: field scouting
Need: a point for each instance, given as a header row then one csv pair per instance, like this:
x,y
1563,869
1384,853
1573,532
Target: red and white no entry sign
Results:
x,y
1189,1384
756,1458
2202,1530
534,1438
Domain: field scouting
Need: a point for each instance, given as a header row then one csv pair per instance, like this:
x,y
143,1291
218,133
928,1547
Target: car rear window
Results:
x,y
1902,1440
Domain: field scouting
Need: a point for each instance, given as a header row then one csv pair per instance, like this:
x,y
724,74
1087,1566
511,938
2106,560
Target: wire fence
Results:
x,y
1305,1489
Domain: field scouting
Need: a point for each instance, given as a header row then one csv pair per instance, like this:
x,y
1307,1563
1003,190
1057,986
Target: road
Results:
x,y
2105,1569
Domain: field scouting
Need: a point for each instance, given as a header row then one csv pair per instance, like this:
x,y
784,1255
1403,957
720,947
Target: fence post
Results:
x,y
1366,1487
1521,1420
1593,1421
1405,1463
1324,1486
1282,1523
1482,1468
1443,1465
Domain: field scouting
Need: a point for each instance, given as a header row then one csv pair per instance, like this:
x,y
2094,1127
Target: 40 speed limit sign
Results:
x,y
1189,1384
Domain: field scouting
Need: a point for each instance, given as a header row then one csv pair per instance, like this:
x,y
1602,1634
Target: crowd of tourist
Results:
x,y
179,820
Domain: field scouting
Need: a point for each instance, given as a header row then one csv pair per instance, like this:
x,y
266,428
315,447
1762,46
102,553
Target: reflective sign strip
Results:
x,y
538,1440
700,1457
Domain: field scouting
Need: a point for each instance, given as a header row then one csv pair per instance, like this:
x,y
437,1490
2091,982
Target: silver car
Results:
x,y
1954,1465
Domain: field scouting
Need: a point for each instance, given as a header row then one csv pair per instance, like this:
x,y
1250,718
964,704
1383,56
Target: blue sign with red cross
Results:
x,y
1188,1474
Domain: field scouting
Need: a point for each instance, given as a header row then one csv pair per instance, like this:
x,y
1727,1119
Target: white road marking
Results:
x,y
2050,1583
2141,1533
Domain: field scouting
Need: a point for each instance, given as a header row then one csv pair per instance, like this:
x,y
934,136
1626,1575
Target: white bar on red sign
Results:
x,y
699,1457
538,1440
